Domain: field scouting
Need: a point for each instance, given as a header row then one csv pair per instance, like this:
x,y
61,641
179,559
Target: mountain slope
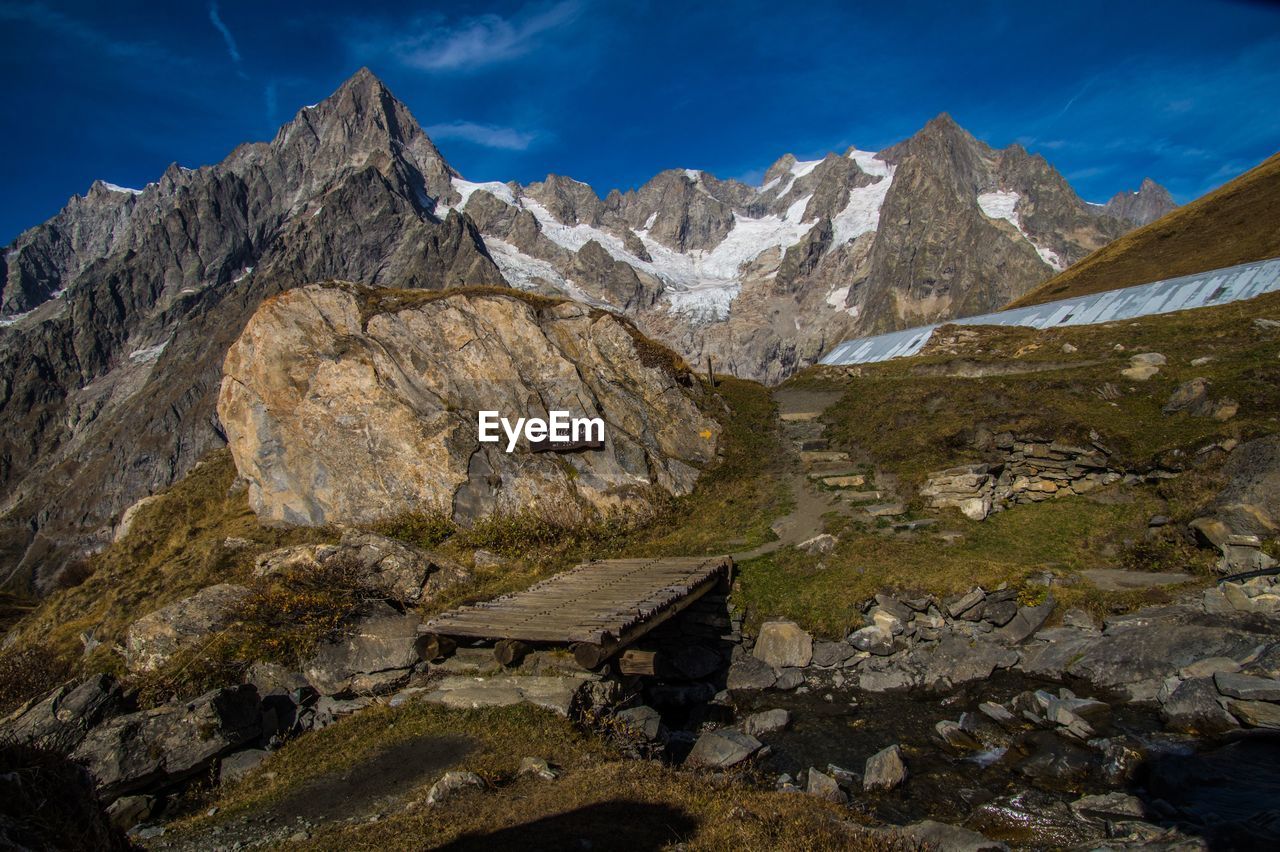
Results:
x,y
115,315
1235,223
109,387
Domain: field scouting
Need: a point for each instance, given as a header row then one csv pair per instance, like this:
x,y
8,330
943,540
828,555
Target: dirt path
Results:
x,y
799,411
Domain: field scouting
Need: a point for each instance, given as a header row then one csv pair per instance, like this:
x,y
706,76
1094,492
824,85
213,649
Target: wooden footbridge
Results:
x,y
596,609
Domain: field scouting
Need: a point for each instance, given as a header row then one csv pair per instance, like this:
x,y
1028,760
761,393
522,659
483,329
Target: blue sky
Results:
x,y
612,92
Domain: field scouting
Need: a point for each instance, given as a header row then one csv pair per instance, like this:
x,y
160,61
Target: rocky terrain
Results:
x,y
118,312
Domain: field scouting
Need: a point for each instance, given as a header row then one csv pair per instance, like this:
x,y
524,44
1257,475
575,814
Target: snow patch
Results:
x,y
495,188
870,163
693,174
862,214
1002,205
836,299
704,304
244,273
802,168
114,188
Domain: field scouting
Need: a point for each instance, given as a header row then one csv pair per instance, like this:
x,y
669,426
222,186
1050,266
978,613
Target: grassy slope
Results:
x,y
597,791
910,419
1235,223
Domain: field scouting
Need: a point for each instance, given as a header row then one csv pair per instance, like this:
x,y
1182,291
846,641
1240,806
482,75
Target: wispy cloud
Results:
x,y
232,50
434,44
486,135
61,24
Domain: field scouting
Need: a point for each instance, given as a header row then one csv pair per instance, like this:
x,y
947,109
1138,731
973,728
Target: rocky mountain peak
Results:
x,y
1142,206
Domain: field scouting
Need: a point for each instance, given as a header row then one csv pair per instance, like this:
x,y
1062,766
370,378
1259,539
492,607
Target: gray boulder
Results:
x,y
748,673
783,644
1028,620
374,657
149,749
951,838
643,722
873,640
154,639
1194,708
1256,714
884,770
831,654
825,787
1247,687
722,749
766,722
236,766
1250,503
63,718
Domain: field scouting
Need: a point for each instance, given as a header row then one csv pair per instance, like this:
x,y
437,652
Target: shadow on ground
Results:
x,y
633,826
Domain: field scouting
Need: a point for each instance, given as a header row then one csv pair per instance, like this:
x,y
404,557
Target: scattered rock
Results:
x,y
561,695
766,722
958,607
1025,624
238,765
128,811
154,639
884,769
747,672
644,722
1143,366
1247,687
825,787
451,784
1109,807
951,838
783,644
63,717
830,654
791,678
1256,714
819,544
138,751
375,655
873,640
955,737
538,768
722,749
1194,708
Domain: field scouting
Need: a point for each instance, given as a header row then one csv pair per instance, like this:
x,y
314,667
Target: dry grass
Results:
x,y
1235,223
49,803
596,794
176,546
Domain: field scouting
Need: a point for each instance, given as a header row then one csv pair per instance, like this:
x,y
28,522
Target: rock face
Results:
x,y
374,656
116,314
65,716
346,404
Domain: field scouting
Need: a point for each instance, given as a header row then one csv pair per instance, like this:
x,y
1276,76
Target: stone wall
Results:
x,y
1032,469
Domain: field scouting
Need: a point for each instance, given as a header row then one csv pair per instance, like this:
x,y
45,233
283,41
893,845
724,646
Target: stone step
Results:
x,y
812,444
885,510
856,480
800,416
818,471
812,457
862,496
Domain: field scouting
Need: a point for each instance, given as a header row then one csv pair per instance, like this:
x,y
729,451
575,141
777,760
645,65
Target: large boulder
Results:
x,y
1250,503
374,656
154,639
348,404
152,748
61,719
722,749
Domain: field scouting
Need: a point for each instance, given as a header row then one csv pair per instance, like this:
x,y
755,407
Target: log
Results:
x,y
509,652
434,647
633,662
590,655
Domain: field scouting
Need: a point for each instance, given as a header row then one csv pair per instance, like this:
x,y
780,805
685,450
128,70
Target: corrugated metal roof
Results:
x,y
1218,287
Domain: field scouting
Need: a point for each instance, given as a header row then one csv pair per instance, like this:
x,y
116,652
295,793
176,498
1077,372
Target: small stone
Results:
x,y
642,721
966,602
830,654
452,783
955,737
538,768
884,769
1000,613
873,640
722,749
789,679
766,722
825,787
748,673
818,545
997,713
